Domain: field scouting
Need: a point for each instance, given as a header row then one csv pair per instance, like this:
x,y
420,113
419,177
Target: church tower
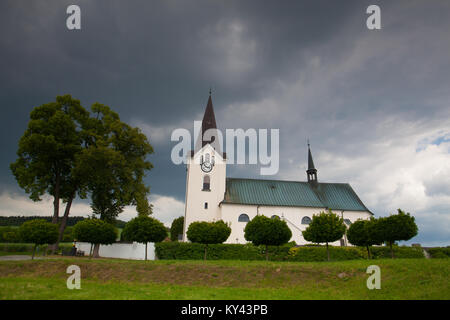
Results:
x,y
312,171
206,174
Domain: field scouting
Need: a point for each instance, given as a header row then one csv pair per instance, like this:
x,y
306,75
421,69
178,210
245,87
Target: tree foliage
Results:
x,y
397,227
67,150
38,232
95,231
262,230
176,228
47,150
144,229
325,227
364,233
208,233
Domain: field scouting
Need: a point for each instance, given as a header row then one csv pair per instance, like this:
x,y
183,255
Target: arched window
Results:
x,y
206,183
306,220
347,222
275,217
243,218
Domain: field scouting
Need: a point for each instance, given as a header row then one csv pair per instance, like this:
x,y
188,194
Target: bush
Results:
x,y
95,231
325,227
9,235
439,253
262,230
144,229
28,247
38,232
176,228
208,233
399,252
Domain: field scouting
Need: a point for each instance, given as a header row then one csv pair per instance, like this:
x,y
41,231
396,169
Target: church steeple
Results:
x,y
209,127
209,120
312,171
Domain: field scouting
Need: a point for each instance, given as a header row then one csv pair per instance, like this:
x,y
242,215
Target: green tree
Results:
x,y
361,234
38,232
47,151
176,228
208,233
262,230
144,229
397,227
113,164
325,227
96,232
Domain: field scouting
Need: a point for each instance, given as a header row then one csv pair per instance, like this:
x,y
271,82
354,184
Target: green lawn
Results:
x,y
169,279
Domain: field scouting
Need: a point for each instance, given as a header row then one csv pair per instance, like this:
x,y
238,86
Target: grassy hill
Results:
x,y
125,279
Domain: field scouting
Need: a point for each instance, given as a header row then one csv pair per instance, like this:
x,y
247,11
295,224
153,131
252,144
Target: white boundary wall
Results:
x,y
134,251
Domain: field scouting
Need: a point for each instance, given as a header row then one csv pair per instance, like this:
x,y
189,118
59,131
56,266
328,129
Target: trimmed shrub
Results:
x,y
399,252
176,228
9,235
195,251
320,253
28,247
38,232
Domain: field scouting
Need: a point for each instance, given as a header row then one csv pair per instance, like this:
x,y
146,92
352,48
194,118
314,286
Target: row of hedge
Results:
x,y
28,247
439,252
195,251
11,235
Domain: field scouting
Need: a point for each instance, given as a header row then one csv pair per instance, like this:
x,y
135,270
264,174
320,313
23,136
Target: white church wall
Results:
x,y
133,251
292,215
196,197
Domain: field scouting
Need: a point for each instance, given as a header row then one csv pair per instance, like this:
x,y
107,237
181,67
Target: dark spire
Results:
x,y
312,171
209,120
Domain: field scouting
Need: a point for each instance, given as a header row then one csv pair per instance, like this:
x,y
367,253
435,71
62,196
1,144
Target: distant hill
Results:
x,y
18,220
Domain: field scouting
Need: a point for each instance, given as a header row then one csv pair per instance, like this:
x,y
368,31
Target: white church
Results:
x,y
211,196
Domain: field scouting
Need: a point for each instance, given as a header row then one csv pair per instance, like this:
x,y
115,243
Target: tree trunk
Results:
x,y
146,251
63,224
55,207
392,250
204,256
34,251
90,251
96,250
368,252
267,253
328,253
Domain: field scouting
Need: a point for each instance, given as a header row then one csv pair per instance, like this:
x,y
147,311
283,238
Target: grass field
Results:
x,y
126,279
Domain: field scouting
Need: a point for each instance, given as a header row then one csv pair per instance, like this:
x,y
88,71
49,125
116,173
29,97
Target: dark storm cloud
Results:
x,y
366,99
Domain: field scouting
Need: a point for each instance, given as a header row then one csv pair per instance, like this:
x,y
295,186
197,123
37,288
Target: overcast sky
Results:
x,y
375,104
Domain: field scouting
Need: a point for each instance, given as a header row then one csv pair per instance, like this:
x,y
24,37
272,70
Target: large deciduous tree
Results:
x,y
262,230
325,227
67,150
47,153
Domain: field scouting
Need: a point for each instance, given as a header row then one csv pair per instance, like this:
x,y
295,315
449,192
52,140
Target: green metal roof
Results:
x,y
335,196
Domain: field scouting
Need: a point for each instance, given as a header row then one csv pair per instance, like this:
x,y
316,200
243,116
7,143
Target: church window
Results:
x,y
206,205
306,220
206,183
243,218
347,222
